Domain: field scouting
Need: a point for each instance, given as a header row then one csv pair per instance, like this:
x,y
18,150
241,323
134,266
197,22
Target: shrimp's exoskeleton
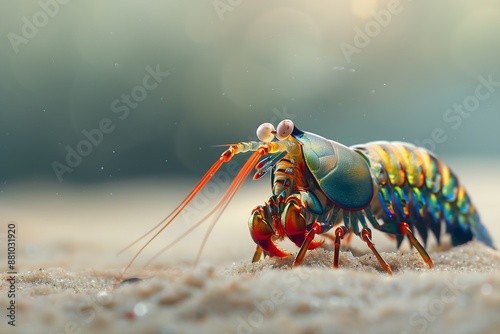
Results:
x,y
318,184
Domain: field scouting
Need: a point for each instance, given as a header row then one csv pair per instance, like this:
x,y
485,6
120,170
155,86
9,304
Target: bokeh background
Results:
x,y
68,66
233,65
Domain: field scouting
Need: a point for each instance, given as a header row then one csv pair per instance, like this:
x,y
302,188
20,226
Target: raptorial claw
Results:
x,y
270,247
262,232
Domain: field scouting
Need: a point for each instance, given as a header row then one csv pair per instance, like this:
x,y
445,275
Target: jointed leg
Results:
x,y
405,229
339,234
366,235
315,229
257,255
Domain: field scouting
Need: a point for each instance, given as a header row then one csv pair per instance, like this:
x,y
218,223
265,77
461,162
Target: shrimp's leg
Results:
x,y
405,230
332,238
316,228
339,234
366,235
257,255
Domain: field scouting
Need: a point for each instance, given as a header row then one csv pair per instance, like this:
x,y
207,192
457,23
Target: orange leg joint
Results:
x,y
366,235
339,234
315,229
257,255
405,230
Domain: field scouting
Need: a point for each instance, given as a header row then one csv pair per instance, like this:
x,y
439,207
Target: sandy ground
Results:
x,y
68,236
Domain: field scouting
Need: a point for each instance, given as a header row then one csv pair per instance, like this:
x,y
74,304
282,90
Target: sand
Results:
x,y
68,238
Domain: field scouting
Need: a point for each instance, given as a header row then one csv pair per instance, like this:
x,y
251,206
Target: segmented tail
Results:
x,y
418,188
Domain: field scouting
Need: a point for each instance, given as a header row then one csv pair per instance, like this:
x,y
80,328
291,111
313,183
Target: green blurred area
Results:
x,y
233,65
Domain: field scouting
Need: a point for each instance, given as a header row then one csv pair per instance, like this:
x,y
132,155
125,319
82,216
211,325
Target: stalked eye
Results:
x,y
285,128
265,132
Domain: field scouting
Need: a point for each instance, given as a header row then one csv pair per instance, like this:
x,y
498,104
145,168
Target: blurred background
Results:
x,y
233,65
94,93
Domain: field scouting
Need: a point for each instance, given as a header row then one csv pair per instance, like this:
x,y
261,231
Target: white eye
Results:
x,y
285,128
265,132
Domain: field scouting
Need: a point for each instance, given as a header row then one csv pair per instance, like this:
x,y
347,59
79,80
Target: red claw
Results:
x,y
270,247
263,233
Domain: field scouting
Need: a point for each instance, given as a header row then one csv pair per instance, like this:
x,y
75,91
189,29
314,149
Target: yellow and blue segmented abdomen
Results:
x,y
416,187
